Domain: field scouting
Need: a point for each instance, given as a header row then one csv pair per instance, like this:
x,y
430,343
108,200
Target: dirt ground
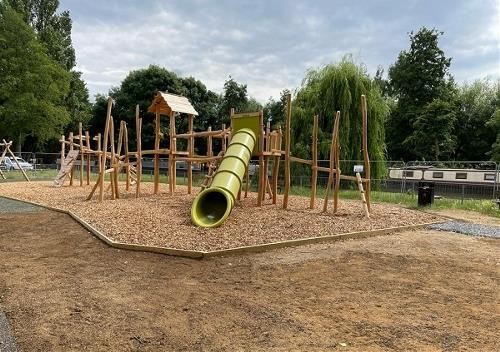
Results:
x,y
64,290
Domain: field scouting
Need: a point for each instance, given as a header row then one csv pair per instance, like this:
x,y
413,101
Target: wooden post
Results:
x,y
366,157
267,148
87,140
336,127
157,146
332,160
3,157
138,124
247,180
262,182
287,150
314,164
71,173
173,151
7,146
104,150
223,141
362,193
126,159
190,148
276,166
63,149
99,147
82,158
114,163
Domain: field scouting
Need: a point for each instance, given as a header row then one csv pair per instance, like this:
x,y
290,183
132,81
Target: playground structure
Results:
x,y
228,170
80,153
6,150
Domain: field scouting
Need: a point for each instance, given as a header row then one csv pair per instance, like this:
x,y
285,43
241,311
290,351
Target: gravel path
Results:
x,y
468,228
14,206
7,343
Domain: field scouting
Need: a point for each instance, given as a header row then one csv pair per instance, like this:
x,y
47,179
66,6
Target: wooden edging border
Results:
x,y
230,251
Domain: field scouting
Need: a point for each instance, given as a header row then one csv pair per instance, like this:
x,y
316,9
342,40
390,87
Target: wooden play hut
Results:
x,y
171,105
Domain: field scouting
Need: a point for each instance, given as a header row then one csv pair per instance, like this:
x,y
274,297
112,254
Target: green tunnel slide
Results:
x,y
213,205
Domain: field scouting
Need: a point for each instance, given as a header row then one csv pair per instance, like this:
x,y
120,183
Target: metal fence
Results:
x,y
394,177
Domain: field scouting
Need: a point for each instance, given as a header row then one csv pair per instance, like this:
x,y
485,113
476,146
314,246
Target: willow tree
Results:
x,y
338,87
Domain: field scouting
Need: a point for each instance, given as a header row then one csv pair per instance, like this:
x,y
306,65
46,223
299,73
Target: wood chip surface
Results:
x,y
165,220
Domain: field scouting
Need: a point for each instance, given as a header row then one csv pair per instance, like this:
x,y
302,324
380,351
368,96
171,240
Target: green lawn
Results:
x,y
484,206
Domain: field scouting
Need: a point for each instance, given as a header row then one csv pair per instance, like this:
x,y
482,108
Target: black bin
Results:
x,y
425,193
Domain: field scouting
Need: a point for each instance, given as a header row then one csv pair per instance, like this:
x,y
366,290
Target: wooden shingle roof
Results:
x,y
169,102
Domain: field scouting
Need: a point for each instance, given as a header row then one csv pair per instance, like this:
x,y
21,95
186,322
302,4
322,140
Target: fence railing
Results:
x,y
387,176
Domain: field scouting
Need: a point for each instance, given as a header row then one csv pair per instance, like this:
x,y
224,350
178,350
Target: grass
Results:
x,y
484,206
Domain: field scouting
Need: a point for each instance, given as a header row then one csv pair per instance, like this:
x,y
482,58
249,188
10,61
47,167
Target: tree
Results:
x,y
418,77
33,86
274,110
77,102
339,87
476,105
140,86
432,135
53,29
494,124
234,96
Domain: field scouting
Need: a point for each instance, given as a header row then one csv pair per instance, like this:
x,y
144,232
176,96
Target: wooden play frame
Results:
x,y
6,149
113,161
230,251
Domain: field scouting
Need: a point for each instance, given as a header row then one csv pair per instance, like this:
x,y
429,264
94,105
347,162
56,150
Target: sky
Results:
x,y
270,45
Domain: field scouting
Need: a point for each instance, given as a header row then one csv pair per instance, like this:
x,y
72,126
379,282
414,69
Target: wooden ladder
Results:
x,y
133,175
66,167
212,169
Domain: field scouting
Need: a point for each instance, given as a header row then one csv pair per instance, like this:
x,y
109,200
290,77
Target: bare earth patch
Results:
x,y
164,220
64,290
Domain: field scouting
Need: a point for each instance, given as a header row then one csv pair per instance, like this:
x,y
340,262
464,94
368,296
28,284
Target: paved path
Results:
x,y
7,343
14,206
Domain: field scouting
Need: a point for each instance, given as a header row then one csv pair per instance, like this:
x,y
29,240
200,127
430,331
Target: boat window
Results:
x,y
489,177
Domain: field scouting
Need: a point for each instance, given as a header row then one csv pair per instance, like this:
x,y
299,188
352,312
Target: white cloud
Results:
x,y
270,44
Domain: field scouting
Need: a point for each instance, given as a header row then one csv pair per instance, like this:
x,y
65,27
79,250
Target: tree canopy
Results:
x,y
476,105
33,86
53,30
338,87
419,76
140,86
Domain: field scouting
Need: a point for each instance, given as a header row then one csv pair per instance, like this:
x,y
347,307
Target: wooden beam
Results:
x,y
287,150
314,165
138,129
157,146
332,163
300,160
71,173
171,159
366,157
87,139
261,185
338,174
362,193
104,149
276,166
82,158
190,147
